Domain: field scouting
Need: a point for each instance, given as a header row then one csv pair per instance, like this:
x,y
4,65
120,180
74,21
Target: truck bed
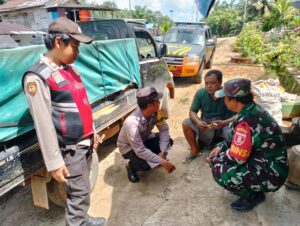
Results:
x,y
21,157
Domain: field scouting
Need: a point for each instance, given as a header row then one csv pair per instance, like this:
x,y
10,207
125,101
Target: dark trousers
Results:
x,y
138,164
77,159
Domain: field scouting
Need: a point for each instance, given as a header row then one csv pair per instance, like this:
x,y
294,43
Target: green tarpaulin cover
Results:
x,y
105,67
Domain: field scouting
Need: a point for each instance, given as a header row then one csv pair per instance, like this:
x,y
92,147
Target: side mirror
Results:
x,y
163,49
210,41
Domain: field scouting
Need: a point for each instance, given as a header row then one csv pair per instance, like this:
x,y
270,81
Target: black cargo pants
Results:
x,y
139,164
77,159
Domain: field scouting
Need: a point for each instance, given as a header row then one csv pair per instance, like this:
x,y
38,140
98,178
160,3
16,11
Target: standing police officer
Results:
x,y
253,160
62,116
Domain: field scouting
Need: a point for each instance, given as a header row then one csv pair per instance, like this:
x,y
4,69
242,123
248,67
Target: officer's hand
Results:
x,y
169,167
214,152
202,125
61,174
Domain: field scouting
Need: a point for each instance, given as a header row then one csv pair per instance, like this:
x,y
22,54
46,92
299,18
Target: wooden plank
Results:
x,y
39,192
110,131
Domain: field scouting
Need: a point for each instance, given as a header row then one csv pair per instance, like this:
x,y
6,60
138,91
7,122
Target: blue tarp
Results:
x,y
105,67
204,7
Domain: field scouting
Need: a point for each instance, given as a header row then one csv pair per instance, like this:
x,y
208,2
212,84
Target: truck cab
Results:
x,y
191,48
153,67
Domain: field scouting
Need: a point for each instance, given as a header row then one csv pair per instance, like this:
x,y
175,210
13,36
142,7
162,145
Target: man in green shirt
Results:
x,y
215,117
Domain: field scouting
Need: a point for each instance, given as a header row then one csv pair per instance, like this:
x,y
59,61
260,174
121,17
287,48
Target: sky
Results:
x,y
183,10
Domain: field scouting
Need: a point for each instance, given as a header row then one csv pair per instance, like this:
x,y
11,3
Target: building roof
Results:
x,y
11,28
14,5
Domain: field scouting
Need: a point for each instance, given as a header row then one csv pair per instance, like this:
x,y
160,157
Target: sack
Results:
x,y
267,94
294,165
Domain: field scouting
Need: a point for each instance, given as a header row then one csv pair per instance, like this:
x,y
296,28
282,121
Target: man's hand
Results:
x,y
214,152
218,124
169,167
61,174
202,125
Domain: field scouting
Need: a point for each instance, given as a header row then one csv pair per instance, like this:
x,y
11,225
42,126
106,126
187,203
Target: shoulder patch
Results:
x,y
241,145
31,88
160,120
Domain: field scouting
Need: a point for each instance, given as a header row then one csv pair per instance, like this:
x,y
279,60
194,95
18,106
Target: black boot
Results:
x,y
132,175
247,203
94,221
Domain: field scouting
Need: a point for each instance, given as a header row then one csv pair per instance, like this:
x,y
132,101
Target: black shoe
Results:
x,y
132,176
94,221
247,203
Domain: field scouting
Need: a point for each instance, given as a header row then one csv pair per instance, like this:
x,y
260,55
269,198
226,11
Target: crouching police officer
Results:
x,y
253,160
63,117
136,142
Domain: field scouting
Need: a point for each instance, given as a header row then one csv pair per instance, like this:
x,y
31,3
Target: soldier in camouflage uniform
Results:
x,y
253,160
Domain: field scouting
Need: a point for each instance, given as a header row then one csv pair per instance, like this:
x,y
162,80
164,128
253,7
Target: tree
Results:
x,y
109,4
225,20
165,27
2,2
282,14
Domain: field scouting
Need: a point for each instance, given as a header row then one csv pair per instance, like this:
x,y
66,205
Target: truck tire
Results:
x,y
57,191
198,77
210,62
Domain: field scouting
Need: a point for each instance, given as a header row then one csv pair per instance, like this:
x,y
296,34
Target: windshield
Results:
x,y
183,35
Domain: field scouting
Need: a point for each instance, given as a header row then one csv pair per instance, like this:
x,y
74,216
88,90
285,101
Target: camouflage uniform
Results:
x,y
266,167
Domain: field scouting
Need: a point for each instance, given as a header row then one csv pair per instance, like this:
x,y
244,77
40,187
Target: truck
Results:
x,y
191,49
111,69
153,66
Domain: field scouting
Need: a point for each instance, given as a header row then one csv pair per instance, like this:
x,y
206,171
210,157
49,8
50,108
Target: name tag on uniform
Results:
x,y
59,79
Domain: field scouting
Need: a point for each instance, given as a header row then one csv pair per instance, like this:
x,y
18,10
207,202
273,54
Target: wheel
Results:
x,y
57,191
198,77
209,63
165,103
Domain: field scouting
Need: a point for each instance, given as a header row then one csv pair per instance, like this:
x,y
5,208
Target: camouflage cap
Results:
x,y
239,87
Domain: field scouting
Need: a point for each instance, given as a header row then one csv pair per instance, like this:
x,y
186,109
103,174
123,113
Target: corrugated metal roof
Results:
x,y
23,4
11,28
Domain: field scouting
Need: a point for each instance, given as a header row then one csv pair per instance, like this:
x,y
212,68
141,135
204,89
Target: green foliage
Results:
x,y
224,22
2,2
277,56
165,26
138,12
282,13
250,41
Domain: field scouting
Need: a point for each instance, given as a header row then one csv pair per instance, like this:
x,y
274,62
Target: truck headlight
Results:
x,y
191,59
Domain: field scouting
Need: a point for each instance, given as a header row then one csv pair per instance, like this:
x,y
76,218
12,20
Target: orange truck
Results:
x,y
191,48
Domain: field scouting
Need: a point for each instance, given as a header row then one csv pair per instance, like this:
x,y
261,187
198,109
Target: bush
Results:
x,y
250,41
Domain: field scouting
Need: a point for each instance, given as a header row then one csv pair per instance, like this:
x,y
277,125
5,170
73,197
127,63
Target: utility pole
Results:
x,y
129,9
245,13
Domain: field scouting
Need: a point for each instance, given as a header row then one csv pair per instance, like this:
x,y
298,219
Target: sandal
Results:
x,y
190,158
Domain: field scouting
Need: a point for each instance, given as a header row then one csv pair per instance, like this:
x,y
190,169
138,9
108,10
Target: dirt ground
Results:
x,y
188,196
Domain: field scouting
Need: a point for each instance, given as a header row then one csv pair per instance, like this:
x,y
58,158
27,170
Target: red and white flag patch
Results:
x,y
241,145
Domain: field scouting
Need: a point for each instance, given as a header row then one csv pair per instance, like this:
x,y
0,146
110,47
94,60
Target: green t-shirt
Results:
x,y
210,107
